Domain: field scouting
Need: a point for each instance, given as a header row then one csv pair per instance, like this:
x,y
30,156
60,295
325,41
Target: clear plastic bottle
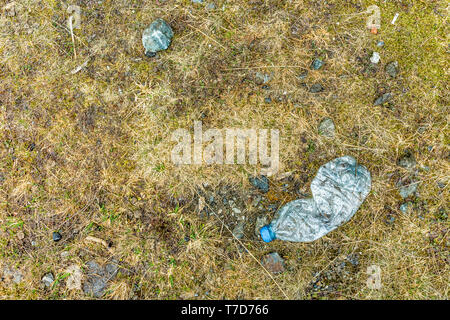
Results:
x,y
338,189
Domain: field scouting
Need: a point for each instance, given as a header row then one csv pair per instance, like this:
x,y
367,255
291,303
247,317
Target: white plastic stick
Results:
x,y
395,18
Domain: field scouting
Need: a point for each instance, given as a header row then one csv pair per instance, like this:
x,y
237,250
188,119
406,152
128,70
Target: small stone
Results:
x,y
315,88
262,183
273,263
261,78
380,43
238,230
56,236
392,69
256,201
302,75
236,210
317,64
405,207
383,99
390,219
327,128
408,190
407,160
267,100
375,58
73,281
261,221
157,37
48,279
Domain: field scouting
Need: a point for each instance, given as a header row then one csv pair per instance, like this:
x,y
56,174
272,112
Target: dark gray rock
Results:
x,y
327,128
392,69
273,263
56,236
315,88
238,230
317,64
408,190
262,183
98,277
157,37
383,99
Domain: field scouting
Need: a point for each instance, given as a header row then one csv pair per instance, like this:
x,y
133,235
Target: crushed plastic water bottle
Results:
x,y
338,189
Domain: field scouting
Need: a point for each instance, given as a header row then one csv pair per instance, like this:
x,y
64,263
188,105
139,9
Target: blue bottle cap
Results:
x,y
267,234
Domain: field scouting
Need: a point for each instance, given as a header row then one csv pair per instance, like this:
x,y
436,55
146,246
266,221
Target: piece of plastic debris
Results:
x,y
338,189
77,69
395,18
157,37
380,43
373,22
375,58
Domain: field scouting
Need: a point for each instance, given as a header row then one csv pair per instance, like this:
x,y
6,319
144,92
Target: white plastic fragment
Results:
x,y
395,18
375,58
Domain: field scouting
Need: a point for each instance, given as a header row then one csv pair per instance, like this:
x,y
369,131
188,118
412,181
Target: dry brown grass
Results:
x,y
101,166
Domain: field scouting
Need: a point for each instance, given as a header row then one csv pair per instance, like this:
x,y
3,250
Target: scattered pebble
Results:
x,y
267,100
392,69
302,75
261,78
12,275
408,190
315,88
48,279
317,64
261,221
73,281
262,183
98,278
327,128
56,236
157,37
273,263
375,58
238,230
383,99
407,160
405,207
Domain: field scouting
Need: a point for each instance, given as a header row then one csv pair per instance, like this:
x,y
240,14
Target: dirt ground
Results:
x,y
85,152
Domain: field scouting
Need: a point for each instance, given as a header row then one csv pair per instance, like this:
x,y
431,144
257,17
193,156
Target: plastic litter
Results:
x,y
338,189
